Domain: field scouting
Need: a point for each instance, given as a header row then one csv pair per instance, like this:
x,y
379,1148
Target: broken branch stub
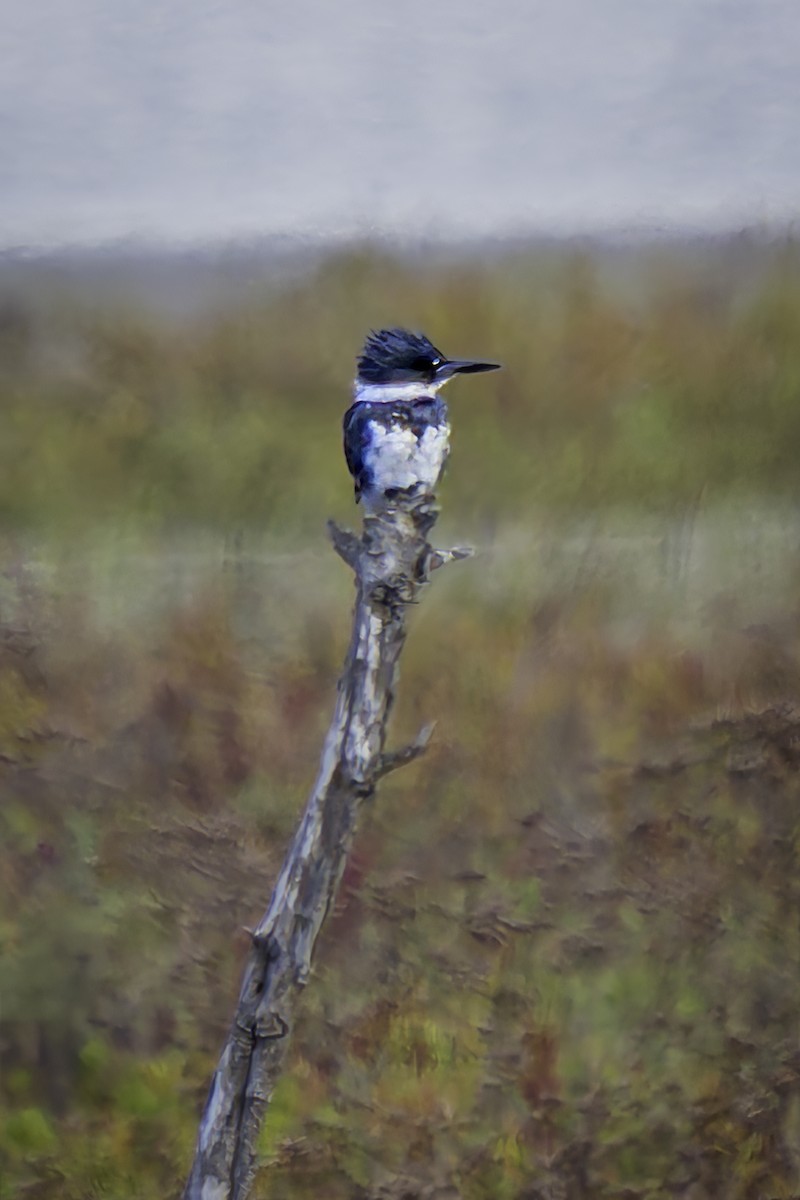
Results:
x,y
391,561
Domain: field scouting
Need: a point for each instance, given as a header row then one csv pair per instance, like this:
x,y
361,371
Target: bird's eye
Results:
x,y
421,364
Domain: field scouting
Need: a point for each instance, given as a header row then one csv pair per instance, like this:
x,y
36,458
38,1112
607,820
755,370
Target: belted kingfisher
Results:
x,y
396,433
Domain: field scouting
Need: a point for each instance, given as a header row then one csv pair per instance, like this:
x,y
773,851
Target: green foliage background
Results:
x,y
641,378
565,960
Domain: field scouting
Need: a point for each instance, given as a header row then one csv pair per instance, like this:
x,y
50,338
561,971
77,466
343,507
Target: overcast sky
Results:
x,y
184,119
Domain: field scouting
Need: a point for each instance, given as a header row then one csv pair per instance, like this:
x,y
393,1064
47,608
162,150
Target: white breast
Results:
x,y
397,459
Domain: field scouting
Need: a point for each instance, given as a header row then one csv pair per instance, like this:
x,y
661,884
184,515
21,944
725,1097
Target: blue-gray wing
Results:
x,y
356,438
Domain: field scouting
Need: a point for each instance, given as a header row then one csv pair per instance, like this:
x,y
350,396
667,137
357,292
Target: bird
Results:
x,y
396,431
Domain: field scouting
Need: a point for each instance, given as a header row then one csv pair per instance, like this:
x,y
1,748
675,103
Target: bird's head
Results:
x,y
397,356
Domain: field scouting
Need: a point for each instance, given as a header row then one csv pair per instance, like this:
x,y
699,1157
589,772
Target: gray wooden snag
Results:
x,y
391,562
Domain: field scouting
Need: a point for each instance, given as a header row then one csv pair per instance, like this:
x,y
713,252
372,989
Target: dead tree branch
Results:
x,y
391,562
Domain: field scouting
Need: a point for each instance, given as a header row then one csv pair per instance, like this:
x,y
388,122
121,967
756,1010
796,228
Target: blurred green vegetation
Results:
x,y
631,380
565,957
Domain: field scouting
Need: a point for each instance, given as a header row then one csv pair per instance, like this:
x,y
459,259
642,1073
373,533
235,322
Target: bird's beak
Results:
x,y
461,366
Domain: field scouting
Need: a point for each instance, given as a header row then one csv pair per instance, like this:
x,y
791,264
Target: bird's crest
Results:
x,y
389,351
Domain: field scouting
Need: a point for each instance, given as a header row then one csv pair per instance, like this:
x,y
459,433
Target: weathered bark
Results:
x,y
391,561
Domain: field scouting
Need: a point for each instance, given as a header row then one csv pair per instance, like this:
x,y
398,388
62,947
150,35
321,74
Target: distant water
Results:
x,y
196,119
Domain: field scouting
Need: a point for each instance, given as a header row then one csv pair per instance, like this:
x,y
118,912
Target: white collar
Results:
x,y
390,393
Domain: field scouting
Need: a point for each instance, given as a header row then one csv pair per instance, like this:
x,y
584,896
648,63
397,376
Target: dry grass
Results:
x,y
565,957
